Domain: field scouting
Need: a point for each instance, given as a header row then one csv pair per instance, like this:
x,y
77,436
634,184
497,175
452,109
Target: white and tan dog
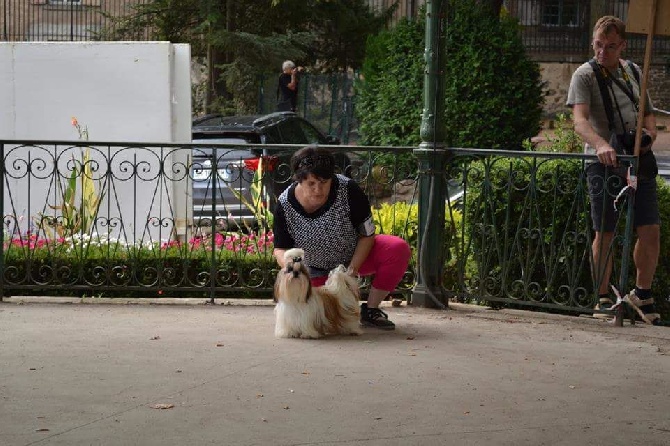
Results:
x,y
306,312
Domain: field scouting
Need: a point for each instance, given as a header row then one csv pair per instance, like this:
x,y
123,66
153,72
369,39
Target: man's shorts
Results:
x,y
603,191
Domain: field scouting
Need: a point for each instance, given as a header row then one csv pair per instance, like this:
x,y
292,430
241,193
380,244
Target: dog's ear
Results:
x,y
304,271
275,291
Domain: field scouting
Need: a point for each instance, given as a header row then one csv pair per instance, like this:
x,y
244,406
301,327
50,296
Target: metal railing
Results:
x,y
326,100
62,20
155,220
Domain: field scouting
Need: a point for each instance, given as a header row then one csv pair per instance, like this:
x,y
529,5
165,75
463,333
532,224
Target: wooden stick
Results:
x,y
645,76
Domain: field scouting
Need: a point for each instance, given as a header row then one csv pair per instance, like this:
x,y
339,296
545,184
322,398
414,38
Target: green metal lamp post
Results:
x,y
432,156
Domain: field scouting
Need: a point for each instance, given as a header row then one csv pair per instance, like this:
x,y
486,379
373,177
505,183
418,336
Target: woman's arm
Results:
x,y
363,247
279,256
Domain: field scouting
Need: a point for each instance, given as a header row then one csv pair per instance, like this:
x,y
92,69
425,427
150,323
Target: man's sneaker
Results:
x,y
645,308
604,308
374,317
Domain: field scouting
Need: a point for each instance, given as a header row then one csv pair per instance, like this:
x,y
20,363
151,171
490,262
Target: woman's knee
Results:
x,y
397,248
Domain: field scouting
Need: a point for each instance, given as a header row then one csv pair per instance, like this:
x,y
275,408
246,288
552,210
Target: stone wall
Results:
x,y
557,78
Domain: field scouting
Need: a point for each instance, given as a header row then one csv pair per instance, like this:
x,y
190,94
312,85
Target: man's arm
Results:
x,y
649,125
606,154
294,80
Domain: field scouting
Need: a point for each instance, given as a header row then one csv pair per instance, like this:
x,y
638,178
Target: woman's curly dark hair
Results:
x,y
316,161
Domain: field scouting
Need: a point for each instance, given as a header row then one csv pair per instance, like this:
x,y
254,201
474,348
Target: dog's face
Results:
x,y
293,284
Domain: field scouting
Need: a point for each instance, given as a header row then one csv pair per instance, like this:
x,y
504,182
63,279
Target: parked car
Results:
x,y
237,164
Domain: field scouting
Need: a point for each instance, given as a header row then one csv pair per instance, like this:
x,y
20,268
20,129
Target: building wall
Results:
x,y
557,77
120,91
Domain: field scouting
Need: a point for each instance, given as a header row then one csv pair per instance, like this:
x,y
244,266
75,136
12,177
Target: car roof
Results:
x,y
239,124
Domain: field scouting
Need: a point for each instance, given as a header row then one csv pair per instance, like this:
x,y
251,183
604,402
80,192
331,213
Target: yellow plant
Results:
x,y
400,218
258,205
76,217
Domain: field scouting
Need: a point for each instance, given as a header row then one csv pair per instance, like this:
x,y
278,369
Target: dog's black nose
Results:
x,y
296,273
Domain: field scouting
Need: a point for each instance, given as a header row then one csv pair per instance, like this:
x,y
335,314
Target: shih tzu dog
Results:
x,y
306,312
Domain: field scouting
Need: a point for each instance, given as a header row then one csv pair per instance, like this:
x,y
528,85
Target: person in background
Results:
x,y
287,87
600,135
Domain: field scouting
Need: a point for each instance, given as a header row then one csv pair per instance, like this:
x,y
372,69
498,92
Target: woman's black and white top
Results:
x,y
329,235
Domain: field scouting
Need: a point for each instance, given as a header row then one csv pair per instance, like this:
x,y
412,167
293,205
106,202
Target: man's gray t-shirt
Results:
x,y
584,89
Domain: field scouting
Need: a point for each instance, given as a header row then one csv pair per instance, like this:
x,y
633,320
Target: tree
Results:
x,y
493,90
240,40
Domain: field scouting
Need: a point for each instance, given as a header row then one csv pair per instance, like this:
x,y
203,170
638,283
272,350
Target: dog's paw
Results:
x,y
314,335
338,269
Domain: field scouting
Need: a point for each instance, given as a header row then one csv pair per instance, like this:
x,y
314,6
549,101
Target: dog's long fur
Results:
x,y
306,312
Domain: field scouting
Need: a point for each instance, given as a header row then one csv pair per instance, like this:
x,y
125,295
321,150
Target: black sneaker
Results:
x,y
374,317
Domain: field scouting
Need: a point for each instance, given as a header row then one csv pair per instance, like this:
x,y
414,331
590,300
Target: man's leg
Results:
x,y
602,188
647,249
602,260
645,254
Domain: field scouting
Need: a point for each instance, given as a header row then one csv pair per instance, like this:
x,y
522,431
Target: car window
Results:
x,y
211,122
272,135
291,132
312,134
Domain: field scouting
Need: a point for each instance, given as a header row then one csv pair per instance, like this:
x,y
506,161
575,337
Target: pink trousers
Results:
x,y
387,260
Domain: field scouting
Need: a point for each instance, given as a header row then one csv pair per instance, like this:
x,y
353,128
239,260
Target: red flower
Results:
x,y
269,163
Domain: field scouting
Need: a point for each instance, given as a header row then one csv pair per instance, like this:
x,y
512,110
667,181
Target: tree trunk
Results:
x,y
217,92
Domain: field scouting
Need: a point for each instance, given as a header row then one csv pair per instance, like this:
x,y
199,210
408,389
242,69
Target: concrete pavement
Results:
x,y
104,374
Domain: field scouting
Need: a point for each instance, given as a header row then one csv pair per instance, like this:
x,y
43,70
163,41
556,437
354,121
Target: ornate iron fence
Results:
x,y
164,220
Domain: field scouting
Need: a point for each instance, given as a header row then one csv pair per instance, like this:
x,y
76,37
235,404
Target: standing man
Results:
x,y
287,88
590,114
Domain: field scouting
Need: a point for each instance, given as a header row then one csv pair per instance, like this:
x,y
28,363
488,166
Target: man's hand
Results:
x,y
607,155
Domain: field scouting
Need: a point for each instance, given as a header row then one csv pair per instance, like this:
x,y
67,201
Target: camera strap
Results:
x,y
605,80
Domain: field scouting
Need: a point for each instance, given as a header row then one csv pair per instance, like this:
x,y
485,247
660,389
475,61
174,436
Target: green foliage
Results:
x,y
529,227
564,138
402,219
241,40
390,91
258,204
89,264
79,200
661,284
493,90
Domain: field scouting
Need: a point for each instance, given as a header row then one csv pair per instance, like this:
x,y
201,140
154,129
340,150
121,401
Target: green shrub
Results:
x,y
493,90
98,265
529,229
402,219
